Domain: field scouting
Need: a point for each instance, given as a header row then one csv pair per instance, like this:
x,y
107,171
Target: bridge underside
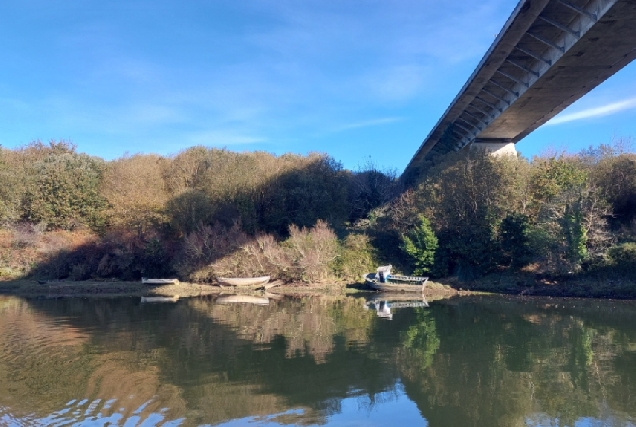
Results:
x,y
549,54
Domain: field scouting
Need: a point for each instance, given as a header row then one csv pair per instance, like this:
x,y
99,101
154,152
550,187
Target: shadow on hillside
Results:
x,y
207,224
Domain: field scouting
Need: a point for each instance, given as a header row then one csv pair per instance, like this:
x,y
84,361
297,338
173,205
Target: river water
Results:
x,y
470,361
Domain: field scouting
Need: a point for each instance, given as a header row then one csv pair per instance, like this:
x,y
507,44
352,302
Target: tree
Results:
x,y
575,234
64,189
369,188
513,233
420,245
12,186
615,177
562,212
466,197
315,188
552,178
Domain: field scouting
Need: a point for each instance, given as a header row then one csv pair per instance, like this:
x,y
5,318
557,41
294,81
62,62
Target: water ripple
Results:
x,y
78,414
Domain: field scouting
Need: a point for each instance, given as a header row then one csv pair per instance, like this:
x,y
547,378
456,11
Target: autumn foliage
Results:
x,y
204,213
200,214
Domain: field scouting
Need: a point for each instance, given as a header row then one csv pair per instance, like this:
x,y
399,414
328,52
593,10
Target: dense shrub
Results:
x,y
491,213
262,192
311,253
12,187
303,195
307,255
616,179
65,191
210,244
357,258
369,188
136,194
624,257
466,197
243,214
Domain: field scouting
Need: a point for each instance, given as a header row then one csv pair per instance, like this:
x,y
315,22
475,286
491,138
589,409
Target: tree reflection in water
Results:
x,y
421,341
463,362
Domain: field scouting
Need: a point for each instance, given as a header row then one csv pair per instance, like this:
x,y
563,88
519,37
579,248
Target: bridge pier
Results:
x,y
496,147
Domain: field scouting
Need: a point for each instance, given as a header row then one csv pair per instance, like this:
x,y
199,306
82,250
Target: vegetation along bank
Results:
x,y
553,225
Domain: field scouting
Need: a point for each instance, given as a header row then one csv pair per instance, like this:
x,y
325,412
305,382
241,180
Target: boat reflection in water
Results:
x,y
386,303
242,299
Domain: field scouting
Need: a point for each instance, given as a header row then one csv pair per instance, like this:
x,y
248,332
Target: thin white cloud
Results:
x,y
219,138
379,54
604,110
397,83
155,115
367,123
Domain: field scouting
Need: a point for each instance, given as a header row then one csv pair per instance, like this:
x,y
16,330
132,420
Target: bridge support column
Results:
x,y
497,147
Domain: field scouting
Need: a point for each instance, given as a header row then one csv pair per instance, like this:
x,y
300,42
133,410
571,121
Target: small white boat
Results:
x,y
146,281
384,281
246,282
173,298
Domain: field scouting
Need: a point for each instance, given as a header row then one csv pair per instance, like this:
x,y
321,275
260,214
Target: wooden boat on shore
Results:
x,y
384,281
146,281
244,282
173,298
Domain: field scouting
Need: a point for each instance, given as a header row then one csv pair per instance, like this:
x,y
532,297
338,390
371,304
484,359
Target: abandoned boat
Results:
x,y
383,280
244,282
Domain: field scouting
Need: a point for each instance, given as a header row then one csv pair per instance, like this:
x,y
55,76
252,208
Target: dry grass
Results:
x,y
307,256
25,246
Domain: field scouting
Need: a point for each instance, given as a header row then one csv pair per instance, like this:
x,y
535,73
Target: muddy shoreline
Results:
x,y
522,285
568,286
57,289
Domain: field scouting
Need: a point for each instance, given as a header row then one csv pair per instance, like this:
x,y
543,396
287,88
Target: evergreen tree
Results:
x,y
420,245
575,234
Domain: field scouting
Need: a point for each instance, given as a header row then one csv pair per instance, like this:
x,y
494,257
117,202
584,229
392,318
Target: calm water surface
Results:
x,y
484,361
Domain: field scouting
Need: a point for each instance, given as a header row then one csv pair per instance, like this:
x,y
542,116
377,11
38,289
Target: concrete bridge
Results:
x,y
548,54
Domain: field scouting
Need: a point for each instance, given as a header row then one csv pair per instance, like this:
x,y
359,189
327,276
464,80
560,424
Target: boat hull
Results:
x,y
244,282
174,298
389,286
397,287
159,281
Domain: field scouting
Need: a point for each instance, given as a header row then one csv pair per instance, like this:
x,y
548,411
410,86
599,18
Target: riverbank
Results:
x,y
618,286
32,288
503,283
55,289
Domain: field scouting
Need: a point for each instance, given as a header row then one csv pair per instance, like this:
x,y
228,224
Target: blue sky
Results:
x,y
360,80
